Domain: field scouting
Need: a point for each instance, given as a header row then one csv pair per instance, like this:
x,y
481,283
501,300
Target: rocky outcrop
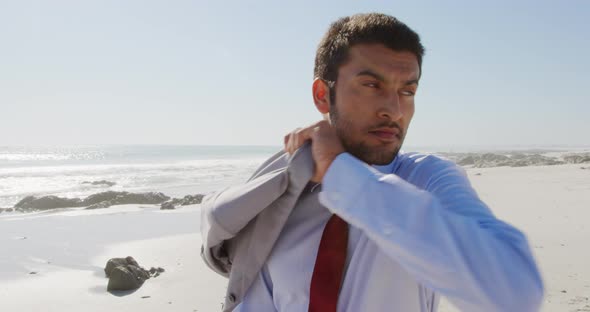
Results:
x,y
104,200
31,203
488,160
167,206
533,160
187,200
99,200
466,161
127,274
577,158
111,198
101,182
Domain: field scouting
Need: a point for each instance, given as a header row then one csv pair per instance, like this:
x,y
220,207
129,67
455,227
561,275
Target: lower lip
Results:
x,y
385,136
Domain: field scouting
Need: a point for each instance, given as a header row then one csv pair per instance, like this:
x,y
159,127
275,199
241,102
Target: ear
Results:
x,y
321,96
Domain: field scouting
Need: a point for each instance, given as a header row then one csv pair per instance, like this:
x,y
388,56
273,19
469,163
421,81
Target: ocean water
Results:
x,y
174,170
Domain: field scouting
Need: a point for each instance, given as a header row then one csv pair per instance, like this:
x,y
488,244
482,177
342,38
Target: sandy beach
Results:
x,y
68,250
550,204
54,260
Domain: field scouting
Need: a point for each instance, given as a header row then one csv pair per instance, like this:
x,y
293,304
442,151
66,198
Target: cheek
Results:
x,y
410,111
408,114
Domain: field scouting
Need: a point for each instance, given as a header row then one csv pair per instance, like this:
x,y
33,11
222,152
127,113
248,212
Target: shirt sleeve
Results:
x,y
437,228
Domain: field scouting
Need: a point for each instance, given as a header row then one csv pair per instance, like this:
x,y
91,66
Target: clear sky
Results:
x,y
496,73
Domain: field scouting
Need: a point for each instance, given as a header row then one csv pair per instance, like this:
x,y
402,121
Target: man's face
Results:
x,y
374,101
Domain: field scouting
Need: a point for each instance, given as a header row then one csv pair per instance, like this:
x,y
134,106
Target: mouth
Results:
x,y
386,135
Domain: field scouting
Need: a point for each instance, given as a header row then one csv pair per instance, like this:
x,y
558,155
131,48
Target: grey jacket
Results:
x,y
240,225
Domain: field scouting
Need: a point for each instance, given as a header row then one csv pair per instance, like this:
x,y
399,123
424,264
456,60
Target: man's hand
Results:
x,y
325,145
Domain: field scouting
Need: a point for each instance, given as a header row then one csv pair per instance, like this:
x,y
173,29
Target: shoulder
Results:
x,y
422,161
422,169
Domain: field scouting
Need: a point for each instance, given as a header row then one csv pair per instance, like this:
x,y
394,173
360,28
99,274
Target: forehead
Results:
x,y
382,60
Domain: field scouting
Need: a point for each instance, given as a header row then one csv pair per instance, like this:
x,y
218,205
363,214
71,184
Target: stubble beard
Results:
x,y
360,150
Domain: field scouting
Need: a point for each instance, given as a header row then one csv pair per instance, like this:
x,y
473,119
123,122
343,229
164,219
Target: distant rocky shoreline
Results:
x,y
102,200
515,159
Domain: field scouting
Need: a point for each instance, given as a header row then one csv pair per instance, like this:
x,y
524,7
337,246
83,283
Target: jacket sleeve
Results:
x,y
226,212
432,222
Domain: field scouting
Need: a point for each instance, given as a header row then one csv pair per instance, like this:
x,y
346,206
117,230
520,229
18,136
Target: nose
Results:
x,y
391,108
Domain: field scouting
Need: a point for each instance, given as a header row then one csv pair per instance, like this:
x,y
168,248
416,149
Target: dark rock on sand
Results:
x,y
101,182
155,272
115,262
126,274
31,203
126,278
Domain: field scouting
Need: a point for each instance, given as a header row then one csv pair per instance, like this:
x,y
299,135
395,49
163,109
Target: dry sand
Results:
x,y
551,204
68,249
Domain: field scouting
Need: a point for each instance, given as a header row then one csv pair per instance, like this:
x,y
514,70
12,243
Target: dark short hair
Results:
x,y
368,28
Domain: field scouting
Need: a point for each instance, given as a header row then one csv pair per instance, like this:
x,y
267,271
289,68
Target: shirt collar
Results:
x,y
387,168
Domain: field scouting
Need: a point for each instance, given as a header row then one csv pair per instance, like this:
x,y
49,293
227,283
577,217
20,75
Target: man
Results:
x,y
364,227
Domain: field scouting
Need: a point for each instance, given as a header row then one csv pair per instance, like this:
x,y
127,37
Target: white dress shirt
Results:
x,y
417,230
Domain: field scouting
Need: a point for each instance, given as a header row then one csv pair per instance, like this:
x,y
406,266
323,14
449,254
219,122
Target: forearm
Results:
x,y
445,237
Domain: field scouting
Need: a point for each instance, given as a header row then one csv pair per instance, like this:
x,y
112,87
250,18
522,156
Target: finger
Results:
x,y
286,143
296,137
294,142
290,144
289,140
302,136
299,136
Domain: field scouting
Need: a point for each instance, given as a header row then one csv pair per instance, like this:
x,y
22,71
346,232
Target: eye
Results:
x,y
371,84
408,93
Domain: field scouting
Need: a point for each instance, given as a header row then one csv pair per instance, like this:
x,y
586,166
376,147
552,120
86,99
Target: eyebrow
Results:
x,y
370,73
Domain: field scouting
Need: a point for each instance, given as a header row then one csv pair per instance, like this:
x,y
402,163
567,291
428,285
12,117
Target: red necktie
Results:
x,y
329,267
